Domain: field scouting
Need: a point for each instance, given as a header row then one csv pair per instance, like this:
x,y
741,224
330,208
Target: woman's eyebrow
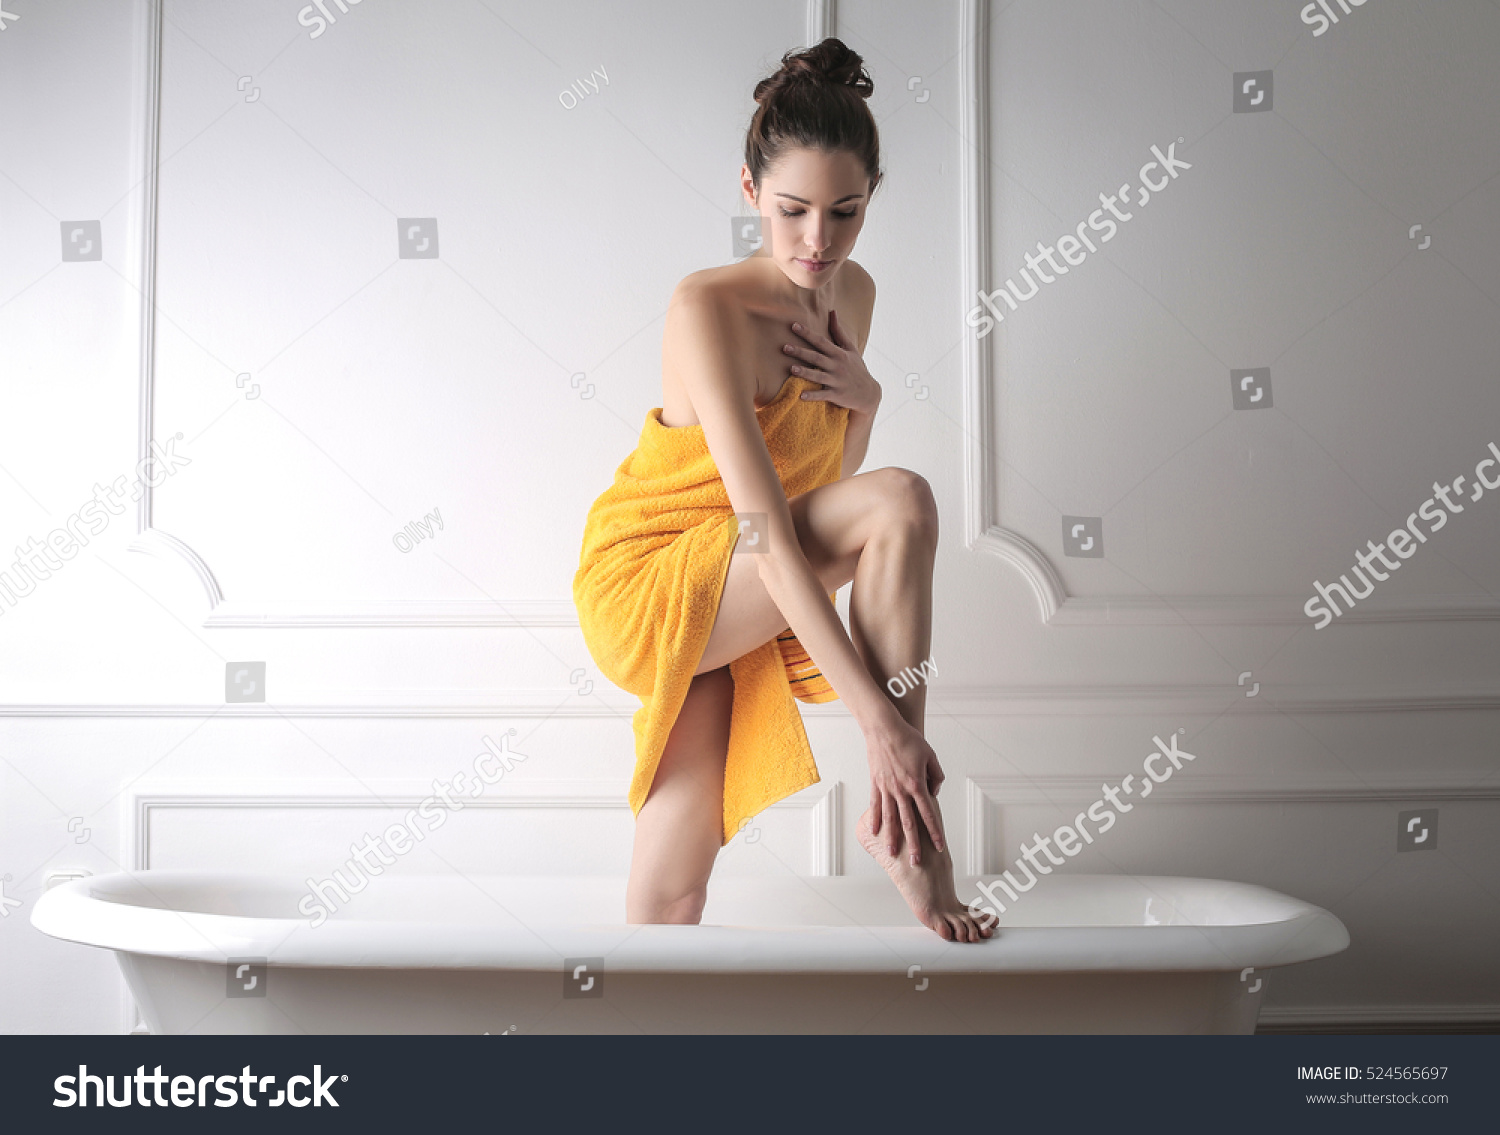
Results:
x,y
840,201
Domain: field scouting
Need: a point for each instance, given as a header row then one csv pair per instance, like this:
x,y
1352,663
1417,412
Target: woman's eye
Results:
x,y
798,213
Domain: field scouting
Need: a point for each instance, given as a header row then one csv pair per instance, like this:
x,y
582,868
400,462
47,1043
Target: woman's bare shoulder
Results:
x,y
721,282
859,273
708,313
709,290
730,294
861,285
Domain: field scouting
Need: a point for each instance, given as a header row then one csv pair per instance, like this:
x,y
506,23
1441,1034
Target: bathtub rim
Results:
x,y
71,913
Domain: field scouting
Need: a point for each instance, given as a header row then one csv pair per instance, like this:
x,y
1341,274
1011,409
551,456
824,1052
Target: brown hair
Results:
x,y
816,101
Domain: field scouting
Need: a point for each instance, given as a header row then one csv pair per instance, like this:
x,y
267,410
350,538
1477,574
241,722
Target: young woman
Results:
x,y
706,571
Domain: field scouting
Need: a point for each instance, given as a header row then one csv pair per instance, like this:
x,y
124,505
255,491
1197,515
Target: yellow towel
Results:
x,y
656,550
802,672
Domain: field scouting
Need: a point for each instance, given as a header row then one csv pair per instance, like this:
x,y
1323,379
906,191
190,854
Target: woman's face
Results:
x,y
812,206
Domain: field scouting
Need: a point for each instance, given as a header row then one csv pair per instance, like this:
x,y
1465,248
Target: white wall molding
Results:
x,y
1262,610
823,805
155,542
146,151
944,701
981,532
982,527
827,821
302,614
983,793
1112,610
820,18
822,15
146,156
1222,698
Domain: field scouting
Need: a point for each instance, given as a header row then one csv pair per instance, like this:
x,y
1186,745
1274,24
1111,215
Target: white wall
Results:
x,y
501,383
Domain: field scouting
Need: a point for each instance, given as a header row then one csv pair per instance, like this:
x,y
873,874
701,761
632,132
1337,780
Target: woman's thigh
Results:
x,y
692,762
680,827
833,523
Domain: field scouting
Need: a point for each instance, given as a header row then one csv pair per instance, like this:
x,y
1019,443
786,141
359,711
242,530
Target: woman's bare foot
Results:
x,y
928,888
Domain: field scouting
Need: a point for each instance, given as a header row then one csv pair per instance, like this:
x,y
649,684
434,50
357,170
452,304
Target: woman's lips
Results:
x,y
815,265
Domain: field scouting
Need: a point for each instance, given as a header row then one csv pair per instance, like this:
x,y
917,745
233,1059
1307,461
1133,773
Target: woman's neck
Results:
x,y
813,303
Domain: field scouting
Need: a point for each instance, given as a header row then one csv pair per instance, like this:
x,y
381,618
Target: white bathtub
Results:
x,y
455,954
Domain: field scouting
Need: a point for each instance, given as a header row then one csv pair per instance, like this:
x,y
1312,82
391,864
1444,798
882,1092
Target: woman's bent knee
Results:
x,y
908,501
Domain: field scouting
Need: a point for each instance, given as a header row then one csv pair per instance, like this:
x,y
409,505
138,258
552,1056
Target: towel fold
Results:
x,y
656,551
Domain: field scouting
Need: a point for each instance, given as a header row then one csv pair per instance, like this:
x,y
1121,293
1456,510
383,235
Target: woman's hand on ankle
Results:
x,y
904,778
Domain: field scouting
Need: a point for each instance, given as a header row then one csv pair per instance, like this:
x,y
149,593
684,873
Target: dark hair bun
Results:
x,y
817,100
831,61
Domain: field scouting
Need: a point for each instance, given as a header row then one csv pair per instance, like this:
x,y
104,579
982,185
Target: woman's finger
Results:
x,y
826,389
807,354
909,830
840,336
892,833
820,342
932,819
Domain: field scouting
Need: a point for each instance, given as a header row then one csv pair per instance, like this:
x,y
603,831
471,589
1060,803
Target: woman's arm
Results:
x,y
856,442
857,428
706,334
